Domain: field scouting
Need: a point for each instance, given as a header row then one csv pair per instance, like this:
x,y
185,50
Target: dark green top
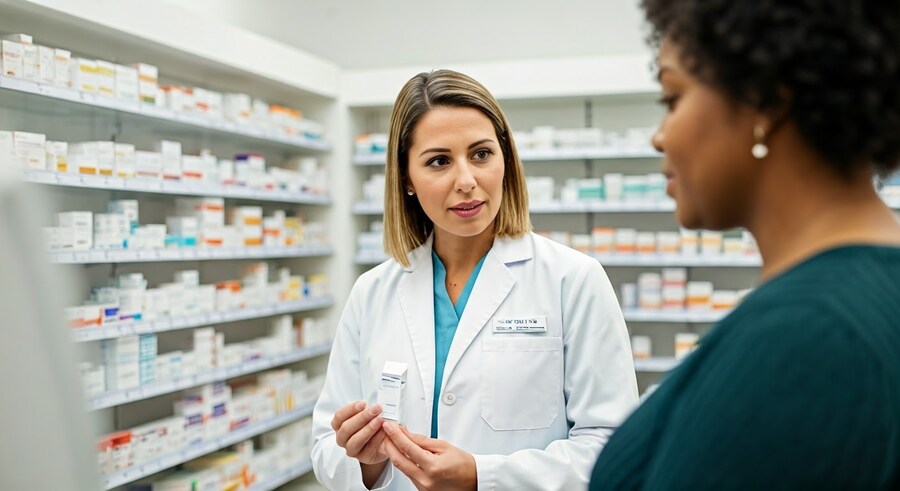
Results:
x,y
799,388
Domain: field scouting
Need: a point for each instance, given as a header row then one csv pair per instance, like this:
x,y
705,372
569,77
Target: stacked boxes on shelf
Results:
x,y
210,412
612,187
628,241
130,299
197,222
685,343
166,162
671,291
139,82
240,467
128,362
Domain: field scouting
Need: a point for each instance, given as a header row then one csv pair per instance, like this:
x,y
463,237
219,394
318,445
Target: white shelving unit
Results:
x,y
674,316
161,114
678,260
196,450
374,159
544,155
366,208
365,259
97,256
655,365
631,260
283,477
666,206
180,188
83,335
126,396
224,59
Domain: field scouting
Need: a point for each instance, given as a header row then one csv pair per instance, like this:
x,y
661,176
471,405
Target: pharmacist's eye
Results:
x,y
438,162
482,155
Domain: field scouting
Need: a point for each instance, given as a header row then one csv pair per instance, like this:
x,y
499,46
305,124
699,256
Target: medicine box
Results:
x,y
392,392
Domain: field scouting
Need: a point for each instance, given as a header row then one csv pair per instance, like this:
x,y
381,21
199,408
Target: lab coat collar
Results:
x,y
513,250
420,255
508,251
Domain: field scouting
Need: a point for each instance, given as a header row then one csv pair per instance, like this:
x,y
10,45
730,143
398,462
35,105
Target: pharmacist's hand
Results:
x,y
430,464
358,431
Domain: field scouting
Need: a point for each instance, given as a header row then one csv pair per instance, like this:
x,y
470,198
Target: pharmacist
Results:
x,y
518,360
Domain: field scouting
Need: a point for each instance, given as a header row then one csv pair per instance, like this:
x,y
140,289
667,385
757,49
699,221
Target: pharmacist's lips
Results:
x,y
468,205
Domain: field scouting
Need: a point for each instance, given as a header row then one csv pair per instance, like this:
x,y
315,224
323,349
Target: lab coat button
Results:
x,y
449,398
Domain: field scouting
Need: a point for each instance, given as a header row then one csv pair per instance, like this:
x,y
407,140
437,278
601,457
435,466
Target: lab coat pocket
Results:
x,y
521,382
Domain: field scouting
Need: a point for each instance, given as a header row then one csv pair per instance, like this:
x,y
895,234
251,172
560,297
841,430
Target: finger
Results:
x,y
431,444
402,462
346,412
419,456
374,446
358,440
356,423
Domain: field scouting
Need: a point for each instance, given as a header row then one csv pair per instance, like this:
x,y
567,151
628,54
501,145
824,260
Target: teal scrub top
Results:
x,y
446,319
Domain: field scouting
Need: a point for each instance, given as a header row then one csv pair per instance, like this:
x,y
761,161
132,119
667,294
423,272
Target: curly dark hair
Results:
x,y
832,65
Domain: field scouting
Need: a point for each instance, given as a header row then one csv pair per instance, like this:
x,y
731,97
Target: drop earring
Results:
x,y
410,192
759,150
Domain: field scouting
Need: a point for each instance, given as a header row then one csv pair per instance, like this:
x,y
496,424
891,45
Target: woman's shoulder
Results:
x,y
385,274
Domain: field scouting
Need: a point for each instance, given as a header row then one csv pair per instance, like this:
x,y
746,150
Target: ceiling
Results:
x,y
356,34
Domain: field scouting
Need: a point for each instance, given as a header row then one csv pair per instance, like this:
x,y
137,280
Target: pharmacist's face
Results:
x,y
456,170
706,139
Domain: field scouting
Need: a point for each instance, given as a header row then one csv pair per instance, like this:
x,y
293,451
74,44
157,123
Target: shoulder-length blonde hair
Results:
x,y
406,226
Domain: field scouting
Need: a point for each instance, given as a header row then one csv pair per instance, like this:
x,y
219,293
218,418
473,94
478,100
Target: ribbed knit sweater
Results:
x,y
799,388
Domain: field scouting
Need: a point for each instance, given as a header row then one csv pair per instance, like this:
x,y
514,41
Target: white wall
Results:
x,y
361,34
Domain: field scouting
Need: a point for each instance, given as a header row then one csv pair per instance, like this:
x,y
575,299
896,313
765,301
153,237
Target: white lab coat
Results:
x,y
534,409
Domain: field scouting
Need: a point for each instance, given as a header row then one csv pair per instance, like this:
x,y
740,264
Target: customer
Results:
x,y
518,356
779,115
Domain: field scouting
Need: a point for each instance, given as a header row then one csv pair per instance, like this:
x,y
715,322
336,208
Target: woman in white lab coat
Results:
x,y
519,365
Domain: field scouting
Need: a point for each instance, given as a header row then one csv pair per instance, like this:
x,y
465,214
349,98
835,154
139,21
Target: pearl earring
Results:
x,y
759,150
410,192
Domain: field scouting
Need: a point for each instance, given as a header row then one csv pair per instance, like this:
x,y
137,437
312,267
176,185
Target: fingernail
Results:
x,y
389,427
359,405
375,410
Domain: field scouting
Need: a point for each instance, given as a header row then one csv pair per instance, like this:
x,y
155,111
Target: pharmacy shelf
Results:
x,y
369,259
283,477
655,365
167,115
97,256
604,207
81,335
637,260
181,188
366,208
125,396
683,316
588,154
544,155
196,450
679,260
378,159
